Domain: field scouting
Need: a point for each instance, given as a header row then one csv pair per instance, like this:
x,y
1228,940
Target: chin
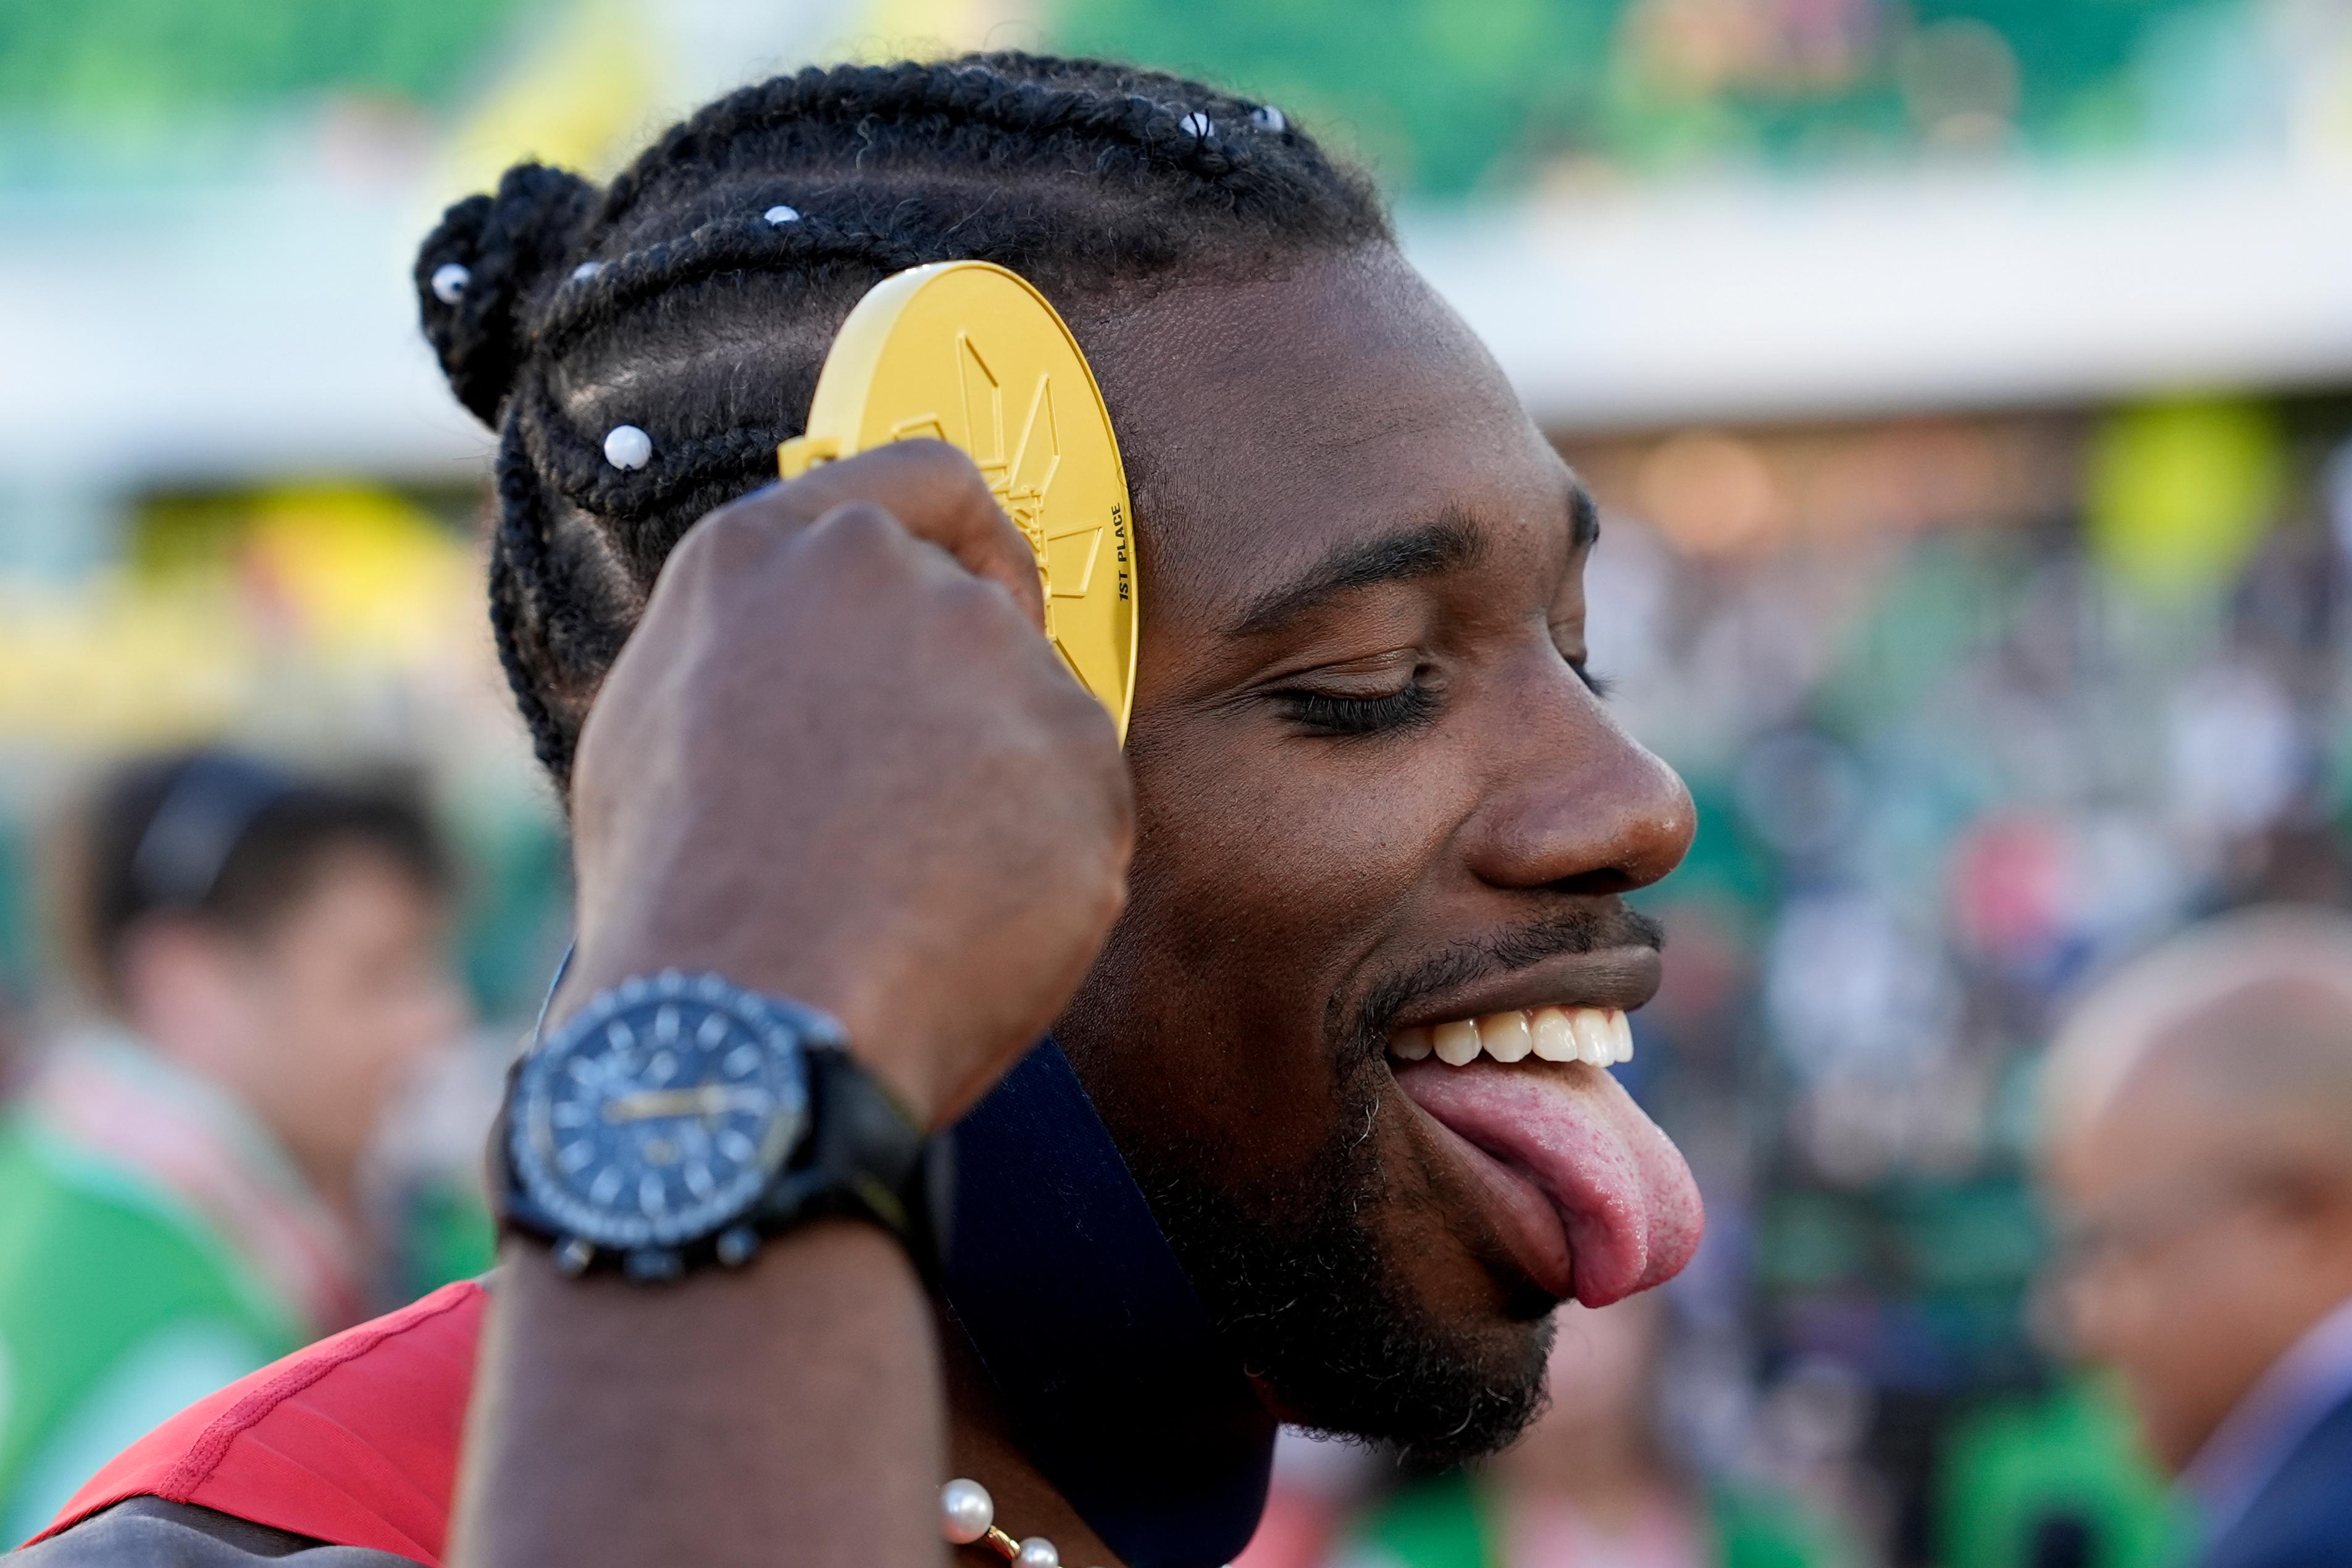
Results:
x,y
1439,1390
1355,1306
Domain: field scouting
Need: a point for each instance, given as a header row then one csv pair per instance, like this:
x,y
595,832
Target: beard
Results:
x,y
1305,1295
1297,1268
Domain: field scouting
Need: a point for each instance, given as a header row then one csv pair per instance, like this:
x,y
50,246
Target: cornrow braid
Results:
x,y
694,298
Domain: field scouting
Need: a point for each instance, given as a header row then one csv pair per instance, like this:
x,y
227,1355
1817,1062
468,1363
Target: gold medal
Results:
x,y
969,353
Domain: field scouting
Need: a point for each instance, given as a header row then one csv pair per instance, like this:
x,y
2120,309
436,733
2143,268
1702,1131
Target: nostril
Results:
x,y
1601,882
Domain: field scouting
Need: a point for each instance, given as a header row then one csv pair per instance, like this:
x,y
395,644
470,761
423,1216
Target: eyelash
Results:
x,y
1325,714
1414,705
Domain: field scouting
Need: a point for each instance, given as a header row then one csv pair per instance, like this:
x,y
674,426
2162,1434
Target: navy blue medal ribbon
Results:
x,y
1099,1346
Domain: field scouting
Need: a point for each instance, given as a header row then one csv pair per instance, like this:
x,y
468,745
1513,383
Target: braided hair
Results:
x,y
695,297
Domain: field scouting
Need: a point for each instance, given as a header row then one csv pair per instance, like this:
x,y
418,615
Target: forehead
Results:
x,y
2173,1116
1270,421
352,887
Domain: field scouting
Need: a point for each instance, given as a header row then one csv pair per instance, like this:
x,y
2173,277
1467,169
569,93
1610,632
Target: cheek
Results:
x,y
340,1017
1262,882
2162,1329
1278,859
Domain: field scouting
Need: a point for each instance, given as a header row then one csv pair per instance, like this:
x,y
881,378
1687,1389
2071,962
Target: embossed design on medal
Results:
x,y
1020,478
967,353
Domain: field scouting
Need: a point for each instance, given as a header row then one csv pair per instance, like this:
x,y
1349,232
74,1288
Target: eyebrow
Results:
x,y
1432,549
1449,544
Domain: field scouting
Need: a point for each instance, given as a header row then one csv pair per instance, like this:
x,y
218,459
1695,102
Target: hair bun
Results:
x,y
475,269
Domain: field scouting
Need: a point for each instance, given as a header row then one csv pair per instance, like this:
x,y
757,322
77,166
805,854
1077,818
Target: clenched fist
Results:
x,y
838,761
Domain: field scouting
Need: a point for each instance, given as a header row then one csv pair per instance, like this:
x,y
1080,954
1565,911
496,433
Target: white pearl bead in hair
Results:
x,y
1265,117
626,447
966,1510
780,215
449,280
1038,1552
1197,124
586,270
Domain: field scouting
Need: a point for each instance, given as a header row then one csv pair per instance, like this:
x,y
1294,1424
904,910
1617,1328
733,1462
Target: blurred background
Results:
x,y
1966,381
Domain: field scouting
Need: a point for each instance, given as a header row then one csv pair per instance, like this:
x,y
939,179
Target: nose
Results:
x,y
1581,806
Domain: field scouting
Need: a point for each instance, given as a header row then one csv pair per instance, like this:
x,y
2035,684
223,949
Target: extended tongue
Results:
x,y
1618,1184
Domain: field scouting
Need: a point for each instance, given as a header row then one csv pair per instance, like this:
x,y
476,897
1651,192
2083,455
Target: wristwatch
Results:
x,y
677,1121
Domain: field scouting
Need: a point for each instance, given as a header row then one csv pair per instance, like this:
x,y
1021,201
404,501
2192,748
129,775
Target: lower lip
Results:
x,y
1524,1220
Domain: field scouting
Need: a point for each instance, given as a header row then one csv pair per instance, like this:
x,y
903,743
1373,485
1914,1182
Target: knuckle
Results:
x,y
978,616
729,539
855,533
868,522
947,476
930,461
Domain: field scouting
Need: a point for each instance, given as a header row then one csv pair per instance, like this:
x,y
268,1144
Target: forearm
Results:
x,y
732,815
790,1411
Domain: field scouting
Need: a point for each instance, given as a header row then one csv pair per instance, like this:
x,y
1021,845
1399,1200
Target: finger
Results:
x,y
935,492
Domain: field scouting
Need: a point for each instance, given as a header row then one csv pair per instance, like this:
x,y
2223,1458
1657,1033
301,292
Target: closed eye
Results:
x,y
1334,714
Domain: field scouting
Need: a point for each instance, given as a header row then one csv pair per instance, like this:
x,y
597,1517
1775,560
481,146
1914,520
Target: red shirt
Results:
x,y
352,1441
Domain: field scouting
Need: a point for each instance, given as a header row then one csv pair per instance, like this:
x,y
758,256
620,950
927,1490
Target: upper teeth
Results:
x,y
1598,1035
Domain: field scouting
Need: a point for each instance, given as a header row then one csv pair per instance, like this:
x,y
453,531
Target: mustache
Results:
x,y
1583,929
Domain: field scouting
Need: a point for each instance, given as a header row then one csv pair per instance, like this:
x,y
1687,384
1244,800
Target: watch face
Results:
x,y
658,1117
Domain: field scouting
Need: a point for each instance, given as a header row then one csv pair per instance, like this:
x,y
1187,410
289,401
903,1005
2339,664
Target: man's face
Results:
x,y
1375,792
2182,1267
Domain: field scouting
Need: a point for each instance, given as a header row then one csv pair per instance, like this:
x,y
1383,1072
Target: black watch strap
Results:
x,y
866,1158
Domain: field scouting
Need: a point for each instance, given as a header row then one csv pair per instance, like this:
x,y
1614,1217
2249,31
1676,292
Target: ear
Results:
x,y
188,991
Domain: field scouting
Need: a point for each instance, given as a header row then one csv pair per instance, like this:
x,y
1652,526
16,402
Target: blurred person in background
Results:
x,y
1591,1484
179,1182
2199,1154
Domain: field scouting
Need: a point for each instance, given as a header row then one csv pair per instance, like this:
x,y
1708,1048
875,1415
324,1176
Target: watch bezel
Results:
x,y
572,1216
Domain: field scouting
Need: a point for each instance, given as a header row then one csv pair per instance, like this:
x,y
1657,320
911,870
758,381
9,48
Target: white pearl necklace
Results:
x,y
968,1517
